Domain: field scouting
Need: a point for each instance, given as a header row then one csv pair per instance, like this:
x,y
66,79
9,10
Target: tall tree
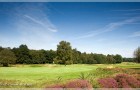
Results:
x,y
23,55
50,55
100,58
76,56
118,58
110,59
37,56
64,52
137,55
84,58
7,57
91,59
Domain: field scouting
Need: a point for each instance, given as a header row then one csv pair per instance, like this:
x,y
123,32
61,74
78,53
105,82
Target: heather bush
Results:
x,y
120,81
74,84
108,83
78,84
126,81
57,86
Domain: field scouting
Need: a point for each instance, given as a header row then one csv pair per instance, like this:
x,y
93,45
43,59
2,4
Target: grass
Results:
x,y
47,74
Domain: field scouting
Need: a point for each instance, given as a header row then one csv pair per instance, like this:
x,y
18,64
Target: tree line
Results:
x,y
64,54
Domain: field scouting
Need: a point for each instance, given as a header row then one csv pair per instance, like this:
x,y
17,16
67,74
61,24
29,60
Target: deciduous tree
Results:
x,y
7,57
64,52
137,55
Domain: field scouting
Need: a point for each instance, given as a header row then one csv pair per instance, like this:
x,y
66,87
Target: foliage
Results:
x,y
82,76
128,59
100,58
126,81
110,59
137,55
78,84
120,81
74,84
108,83
76,56
64,52
37,56
50,55
63,55
7,57
118,58
22,54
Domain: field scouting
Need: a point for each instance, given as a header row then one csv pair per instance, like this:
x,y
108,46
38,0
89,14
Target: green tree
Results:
x,y
23,55
76,56
91,59
37,56
118,58
84,58
7,57
137,55
64,52
50,55
100,58
128,59
110,59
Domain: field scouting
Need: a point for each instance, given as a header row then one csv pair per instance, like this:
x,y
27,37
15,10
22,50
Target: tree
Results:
x,y
64,52
91,59
137,55
128,59
37,56
110,59
76,56
118,58
100,58
50,55
7,57
23,55
84,58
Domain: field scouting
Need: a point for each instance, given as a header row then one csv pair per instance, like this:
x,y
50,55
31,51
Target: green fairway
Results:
x,y
39,74
42,75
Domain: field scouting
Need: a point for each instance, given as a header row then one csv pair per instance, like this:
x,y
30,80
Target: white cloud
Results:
x,y
46,23
33,27
135,34
108,28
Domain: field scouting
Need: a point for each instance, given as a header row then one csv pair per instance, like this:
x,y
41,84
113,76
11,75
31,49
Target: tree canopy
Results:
x,y
7,57
137,55
64,54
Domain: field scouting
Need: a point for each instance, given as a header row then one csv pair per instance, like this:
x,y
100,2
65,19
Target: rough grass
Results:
x,y
38,75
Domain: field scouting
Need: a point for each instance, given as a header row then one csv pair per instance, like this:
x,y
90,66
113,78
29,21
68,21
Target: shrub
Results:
x,y
78,84
120,81
74,84
57,86
108,83
126,81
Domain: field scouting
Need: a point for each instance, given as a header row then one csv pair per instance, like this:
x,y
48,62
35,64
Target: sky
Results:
x,y
103,27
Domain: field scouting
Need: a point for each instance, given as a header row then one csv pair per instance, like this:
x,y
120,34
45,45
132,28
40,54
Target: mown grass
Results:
x,y
48,74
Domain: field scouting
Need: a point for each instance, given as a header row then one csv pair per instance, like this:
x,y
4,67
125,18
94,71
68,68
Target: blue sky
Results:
x,y
105,27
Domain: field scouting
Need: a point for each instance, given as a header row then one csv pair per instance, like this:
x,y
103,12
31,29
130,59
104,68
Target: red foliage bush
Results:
x,y
74,84
108,83
120,81
56,86
78,84
126,81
